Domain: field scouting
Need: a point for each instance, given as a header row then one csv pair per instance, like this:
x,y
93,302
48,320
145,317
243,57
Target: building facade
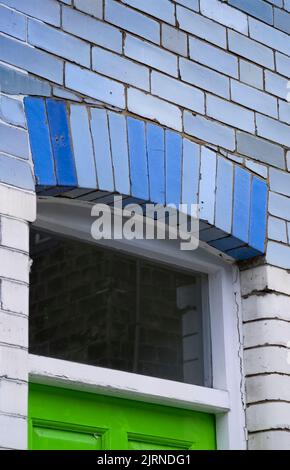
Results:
x,y
136,344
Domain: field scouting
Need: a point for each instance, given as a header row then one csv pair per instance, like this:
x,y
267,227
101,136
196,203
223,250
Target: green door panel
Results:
x,y
61,419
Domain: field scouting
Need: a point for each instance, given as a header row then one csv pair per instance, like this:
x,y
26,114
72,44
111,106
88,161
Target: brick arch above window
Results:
x,y
90,151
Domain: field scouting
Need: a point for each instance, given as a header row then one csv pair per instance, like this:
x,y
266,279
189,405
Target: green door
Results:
x,y
61,419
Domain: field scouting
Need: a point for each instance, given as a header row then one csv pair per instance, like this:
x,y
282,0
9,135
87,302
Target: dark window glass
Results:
x,y
103,308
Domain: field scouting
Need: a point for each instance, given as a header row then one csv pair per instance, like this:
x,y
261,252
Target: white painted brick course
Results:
x,y
124,70
266,332
279,206
268,387
251,74
261,170
275,84
265,416
283,64
13,432
92,7
202,27
14,234
224,14
132,21
14,297
163,9
270,36
204,78
13,330
268,305
251,50
12,23
13,364
154,108
277,229
13,397
191,4
213,57
94,85
230,113
209,131
46,10
280,181
12,112
264,278
14,265
59,43
269,440
28,58
273,130
254,99
284,111
174,40
151,55
278,255
14,141
92,30
267,359
17,203
177,92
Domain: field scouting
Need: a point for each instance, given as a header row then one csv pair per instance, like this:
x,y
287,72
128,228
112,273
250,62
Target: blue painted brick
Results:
x,y
227,243
243,253
258,214
212,234
40,141
138,158
173,145
61,143
156,163
241,217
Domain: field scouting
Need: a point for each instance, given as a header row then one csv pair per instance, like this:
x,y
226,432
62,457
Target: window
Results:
x,y
206,346
99,307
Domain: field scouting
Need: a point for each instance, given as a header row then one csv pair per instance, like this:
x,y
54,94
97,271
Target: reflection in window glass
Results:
x,y
102,308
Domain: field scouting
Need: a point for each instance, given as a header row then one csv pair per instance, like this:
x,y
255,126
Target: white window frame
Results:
x,y
226,398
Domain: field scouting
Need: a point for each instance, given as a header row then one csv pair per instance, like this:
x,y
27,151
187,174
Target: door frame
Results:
x,y
226,398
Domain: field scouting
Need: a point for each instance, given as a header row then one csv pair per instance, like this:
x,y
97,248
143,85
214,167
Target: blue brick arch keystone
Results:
x,y
92,152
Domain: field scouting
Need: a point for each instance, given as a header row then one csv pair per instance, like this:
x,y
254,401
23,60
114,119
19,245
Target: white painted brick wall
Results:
x,y
90,29
205,78
225,15
150,54
254,99
230,113
202,27
213,57
59,43
92,7
94,85
163,9
154,108
132,21
47,11
171,89
251,50
121,69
